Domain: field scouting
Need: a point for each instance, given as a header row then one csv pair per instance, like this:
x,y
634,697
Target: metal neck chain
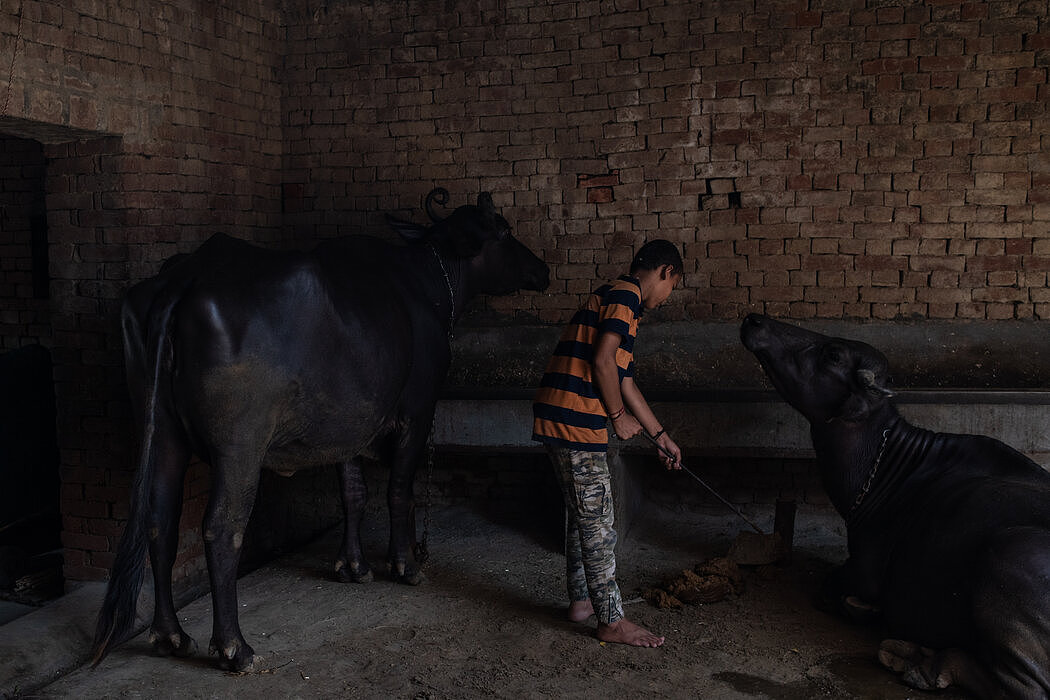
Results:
x,y
451,293
871,475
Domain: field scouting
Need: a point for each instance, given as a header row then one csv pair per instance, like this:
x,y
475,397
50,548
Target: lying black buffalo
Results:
x,y
253,358
949,535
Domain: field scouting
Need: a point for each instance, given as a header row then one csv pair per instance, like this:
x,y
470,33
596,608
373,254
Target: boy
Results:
x,y
590,378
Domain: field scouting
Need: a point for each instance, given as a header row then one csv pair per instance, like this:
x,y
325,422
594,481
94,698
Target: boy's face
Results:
x,y
663,285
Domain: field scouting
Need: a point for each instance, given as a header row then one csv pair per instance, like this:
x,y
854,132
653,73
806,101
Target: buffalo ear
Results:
x,y
467,241
409,231
485,203
866,378
864,399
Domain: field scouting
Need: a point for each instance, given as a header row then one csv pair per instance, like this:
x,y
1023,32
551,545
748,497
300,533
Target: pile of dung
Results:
x,y
707,582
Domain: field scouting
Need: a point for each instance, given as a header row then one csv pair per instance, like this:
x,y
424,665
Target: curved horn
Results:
x,y
439,195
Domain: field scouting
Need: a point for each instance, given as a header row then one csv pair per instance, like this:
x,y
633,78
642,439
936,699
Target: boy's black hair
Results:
x,y
655,254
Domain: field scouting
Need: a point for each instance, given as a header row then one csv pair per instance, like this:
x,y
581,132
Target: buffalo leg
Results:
x,y
233,488
351,566
401,502
166,634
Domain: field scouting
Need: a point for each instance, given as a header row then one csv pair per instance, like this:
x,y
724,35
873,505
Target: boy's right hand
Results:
x,y
626,426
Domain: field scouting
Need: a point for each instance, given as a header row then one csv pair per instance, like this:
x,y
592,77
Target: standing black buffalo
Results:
x,y
949,535
253,358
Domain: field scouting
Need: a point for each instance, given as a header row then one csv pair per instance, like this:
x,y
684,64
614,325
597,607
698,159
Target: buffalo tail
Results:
x,y
116,619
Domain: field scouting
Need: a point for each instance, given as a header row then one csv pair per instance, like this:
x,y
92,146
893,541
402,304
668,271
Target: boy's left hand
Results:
x,y
675,460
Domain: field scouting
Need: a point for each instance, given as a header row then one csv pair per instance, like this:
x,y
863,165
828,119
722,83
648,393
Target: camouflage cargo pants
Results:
x,y
590,540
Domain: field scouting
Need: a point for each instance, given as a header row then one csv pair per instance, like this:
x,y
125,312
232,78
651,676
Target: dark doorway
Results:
x,y
30,519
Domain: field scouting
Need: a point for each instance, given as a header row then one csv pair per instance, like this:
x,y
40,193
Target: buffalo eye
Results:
x,y
834,354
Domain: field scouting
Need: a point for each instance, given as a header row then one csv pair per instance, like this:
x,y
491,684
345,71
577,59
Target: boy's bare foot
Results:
x,y
580,610
626,632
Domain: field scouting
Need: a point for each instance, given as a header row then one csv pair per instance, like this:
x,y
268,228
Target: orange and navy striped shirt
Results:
x,y
568,411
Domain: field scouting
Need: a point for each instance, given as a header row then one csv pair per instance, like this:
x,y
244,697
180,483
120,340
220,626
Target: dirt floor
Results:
x,y
490,622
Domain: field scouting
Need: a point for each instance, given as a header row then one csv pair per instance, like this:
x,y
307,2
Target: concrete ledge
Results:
x,y
671,356
982,377
749,424
758,423
49,642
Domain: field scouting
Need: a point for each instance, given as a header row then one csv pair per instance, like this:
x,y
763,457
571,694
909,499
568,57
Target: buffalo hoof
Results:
x,y
410,577
850,607
856,610
236,658
355,573
177,644
254,664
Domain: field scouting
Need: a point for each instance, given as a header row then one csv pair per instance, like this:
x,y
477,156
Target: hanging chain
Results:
x,y
14,55
451,293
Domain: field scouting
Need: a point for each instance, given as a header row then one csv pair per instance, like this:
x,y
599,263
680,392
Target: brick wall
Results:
x,y
815,159
847,159
160,125
23,261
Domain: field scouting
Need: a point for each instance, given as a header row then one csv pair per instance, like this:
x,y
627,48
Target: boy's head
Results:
x,y
658,266
655,255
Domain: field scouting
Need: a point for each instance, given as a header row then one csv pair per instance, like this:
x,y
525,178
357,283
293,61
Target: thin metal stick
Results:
x,y
703,483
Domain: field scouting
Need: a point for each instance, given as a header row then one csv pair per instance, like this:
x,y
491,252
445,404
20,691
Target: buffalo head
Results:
x,y
496,262
823,378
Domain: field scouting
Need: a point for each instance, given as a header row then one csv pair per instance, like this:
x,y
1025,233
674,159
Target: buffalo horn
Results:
x,y
439,195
